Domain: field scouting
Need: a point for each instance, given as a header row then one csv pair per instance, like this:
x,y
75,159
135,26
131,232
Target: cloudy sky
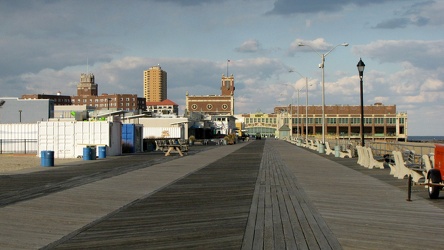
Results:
x,y
46,44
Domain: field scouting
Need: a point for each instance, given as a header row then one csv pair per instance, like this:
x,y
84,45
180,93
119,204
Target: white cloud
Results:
x,y
318,44
418,14
249,46
420,53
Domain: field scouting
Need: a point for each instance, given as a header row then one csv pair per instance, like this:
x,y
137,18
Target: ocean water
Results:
x,y
425,139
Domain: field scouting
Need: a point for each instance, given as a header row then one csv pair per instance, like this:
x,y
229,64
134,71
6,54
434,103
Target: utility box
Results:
x,y
132,138
439,159
435,176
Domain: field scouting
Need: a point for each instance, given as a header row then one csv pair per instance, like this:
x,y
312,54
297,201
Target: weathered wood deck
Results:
x,y
281,215
265,194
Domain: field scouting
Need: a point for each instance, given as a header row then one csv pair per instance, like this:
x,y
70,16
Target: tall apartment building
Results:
x,y
155,84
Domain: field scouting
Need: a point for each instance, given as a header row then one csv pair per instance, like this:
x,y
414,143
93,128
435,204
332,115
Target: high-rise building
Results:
x,y
155,84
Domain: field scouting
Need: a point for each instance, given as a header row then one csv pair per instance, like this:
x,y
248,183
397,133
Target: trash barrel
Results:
x,y
321,148
102,152
88,154
47,158
337,151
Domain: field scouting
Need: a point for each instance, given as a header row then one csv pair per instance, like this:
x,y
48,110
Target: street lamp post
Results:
x,y
361,67
323,82
20,116
306,103
297,117
109,99
306,108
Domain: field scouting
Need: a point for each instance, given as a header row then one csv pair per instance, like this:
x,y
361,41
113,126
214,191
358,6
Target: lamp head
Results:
x,y
344,44
301,44
361,67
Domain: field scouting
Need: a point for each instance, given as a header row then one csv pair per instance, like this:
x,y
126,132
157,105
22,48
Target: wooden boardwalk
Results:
x,y
281,215
366,209
265,194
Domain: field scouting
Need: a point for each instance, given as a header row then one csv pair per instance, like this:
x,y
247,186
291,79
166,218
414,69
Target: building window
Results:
x,y
391,120
343,120
331,120
379,120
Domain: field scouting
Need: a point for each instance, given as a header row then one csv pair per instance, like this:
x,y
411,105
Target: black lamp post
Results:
x,y
361,67
20,116
109,99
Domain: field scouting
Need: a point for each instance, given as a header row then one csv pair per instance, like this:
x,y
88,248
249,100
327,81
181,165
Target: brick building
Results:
x,y
381,122
222,104
87,94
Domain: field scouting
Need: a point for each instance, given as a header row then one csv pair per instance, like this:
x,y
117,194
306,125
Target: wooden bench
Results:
x,y
374,162
328,149
403,170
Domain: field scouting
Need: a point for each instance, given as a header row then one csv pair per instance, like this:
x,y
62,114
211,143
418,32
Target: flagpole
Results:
x,y
227,66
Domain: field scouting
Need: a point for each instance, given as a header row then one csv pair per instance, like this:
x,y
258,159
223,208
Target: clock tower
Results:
x,y
227,85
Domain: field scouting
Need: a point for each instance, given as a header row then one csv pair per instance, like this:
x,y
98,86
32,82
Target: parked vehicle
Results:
x,y
435,176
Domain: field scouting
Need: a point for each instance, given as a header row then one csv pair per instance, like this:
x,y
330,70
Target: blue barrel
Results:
x,y
47,158
87,154
102,152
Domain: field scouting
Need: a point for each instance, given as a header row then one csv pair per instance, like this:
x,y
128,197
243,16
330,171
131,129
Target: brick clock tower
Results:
x,y
227,87
87,87
214,104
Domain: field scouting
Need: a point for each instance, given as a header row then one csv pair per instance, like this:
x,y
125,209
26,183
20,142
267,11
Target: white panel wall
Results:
x,y
68,139
19,131
57,137
13,136
161,132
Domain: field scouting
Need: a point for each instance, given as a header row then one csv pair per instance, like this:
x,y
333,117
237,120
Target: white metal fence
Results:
x,y
18,146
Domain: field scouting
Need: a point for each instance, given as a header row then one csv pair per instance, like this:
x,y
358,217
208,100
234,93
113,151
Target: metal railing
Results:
x,y
18,146
413,150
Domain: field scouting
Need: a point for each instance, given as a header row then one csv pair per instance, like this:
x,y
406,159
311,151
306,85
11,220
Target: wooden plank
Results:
x,y
286,214
207,209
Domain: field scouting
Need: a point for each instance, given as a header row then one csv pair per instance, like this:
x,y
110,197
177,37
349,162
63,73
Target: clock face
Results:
x,y
194,106
224,106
